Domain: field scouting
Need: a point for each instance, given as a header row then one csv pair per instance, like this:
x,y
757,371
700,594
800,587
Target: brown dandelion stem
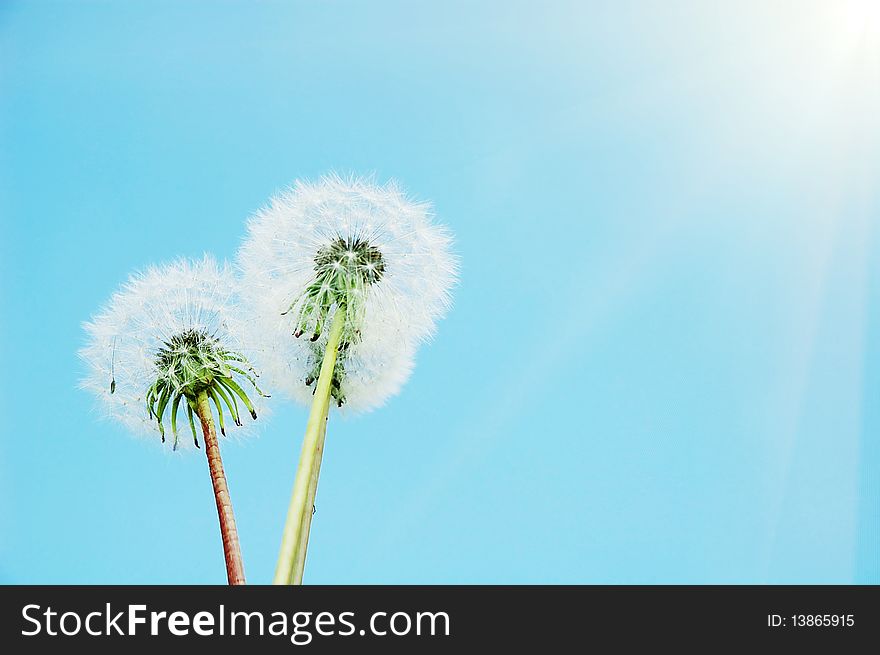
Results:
x,y
295,538
228,532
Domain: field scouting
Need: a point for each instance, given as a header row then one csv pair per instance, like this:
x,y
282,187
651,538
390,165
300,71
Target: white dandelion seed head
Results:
x,y
158,309
315,243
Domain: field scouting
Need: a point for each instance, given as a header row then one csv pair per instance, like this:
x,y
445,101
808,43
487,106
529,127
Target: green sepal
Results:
x,y
233,385
174,407
192,425
231,404
160,409
213,396
250,379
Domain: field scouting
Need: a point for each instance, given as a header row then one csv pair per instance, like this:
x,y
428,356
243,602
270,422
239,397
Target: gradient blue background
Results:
x,y
662,364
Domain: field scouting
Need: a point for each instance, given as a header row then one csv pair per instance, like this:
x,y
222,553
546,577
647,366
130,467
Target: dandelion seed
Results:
x,y
113,368
172,337
365,274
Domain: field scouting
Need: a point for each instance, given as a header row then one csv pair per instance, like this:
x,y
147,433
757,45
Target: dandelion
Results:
x,y
169,341
346,279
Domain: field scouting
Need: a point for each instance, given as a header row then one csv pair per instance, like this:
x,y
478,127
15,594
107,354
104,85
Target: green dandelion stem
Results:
x,y
228,531
296,528
303,545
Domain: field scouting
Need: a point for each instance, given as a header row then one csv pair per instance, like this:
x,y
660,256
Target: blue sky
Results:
x,y
662,364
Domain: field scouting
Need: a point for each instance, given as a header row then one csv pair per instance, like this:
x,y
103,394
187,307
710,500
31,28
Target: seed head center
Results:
x,y
352,258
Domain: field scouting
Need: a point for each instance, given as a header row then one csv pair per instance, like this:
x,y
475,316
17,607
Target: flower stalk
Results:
x,y
361,273
174,341
303,544
294,541
228,531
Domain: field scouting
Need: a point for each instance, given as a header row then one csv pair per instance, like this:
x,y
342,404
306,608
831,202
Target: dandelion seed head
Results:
x,y
350,243
178,325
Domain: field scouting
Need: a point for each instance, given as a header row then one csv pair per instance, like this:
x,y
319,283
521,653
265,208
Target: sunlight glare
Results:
x,y
859,21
